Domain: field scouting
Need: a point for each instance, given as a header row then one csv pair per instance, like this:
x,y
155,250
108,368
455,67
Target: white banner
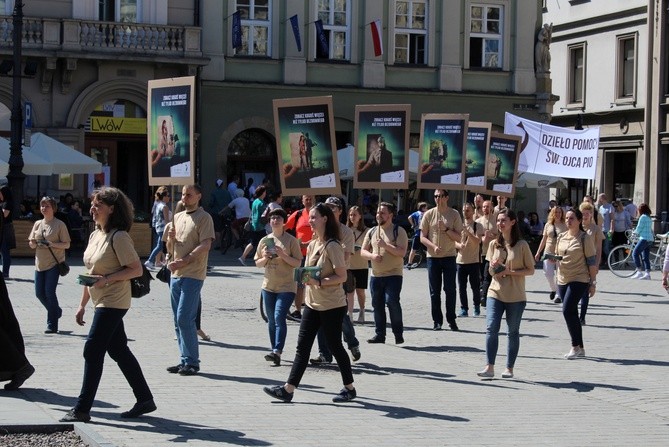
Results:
x,y
552,150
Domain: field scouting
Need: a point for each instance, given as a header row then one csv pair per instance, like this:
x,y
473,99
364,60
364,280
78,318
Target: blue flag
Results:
x,y
236,31
296,32
321,39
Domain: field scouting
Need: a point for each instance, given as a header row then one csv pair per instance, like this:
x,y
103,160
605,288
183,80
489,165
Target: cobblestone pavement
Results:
x,y
424,392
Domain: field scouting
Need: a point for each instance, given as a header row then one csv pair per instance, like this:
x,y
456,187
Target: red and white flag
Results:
x,y
376,37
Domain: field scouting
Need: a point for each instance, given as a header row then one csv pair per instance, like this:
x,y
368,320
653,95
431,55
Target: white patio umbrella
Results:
x,y
33,164
64,159
531,180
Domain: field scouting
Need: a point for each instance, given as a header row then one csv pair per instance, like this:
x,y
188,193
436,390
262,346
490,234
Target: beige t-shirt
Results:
x,y
510,289
430,229
327,256
573,267
100,258
552,231
469,254
54,231
357,261
192,228
278,273
596,233
347,241
489,223
390,265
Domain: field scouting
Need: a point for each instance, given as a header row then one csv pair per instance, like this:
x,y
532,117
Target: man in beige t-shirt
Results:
x,y
188,241
469,260
385,245
490,232
440,229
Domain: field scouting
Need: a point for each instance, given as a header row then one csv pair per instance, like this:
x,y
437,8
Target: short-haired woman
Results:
x,y
577,275
510,262
325,306
161,215
49,238
278,253
641,252
111,257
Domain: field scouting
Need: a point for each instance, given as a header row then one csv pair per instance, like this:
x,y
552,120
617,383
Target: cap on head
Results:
x,y
219,182
336,201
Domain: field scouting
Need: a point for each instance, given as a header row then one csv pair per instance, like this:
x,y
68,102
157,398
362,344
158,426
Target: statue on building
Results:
x,y
542,52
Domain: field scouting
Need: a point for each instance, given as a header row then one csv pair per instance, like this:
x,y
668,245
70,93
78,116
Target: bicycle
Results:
x,y
419,254
621,262
227,236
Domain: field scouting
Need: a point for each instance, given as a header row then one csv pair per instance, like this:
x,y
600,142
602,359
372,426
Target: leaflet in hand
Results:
x,y
87,280
551,257
304,274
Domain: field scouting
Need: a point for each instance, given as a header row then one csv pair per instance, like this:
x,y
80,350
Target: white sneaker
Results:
x,y
645,275
575,352
149,264
637,275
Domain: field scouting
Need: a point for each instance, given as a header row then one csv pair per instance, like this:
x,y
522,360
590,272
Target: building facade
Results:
x,y
609,70
91,61
455,56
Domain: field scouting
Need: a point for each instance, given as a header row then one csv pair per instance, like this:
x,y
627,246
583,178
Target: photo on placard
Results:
x,y
502,164
382,146
306,146
478,139
442,151
171,118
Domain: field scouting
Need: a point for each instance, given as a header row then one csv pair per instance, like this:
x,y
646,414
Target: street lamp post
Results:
x,y
16,177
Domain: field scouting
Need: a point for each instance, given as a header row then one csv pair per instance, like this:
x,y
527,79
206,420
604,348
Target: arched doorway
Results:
x,y
252,154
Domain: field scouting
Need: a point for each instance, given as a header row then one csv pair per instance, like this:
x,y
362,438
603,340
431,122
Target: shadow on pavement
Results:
x,y
396,412
584,387
629,362
51,398
220,344
629,328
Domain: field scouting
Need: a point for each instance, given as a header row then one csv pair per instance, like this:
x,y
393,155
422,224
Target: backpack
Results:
x,y
395,231
293,231
140,285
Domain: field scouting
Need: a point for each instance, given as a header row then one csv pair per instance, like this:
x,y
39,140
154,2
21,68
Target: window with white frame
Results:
x,y
256,27
336,18
576,79
486,36
410,43
626,64
125,11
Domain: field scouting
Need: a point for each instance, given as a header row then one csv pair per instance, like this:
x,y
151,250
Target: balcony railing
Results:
x,y
104,37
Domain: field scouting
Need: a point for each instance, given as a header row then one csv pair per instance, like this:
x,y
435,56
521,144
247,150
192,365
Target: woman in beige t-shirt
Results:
x,y
359,265
554,227
111,258
278,253
577,275
325,306
510,262
49,238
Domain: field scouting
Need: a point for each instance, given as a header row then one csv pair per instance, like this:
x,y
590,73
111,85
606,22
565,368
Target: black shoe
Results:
x,y
51,331
399,339
278,392
174,369
273,357
557,300
189,370
320,360
345,395
376,339
582,321
19,377
139,409
355,353
295,316
437,327
552,296
454,327
75,416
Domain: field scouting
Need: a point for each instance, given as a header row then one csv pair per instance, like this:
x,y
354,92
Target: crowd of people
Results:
x,y
317,259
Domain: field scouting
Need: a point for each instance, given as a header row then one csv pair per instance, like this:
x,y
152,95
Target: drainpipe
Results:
x,y
650,102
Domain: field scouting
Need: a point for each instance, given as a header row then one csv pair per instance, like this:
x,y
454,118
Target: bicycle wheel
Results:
x,y
620,261
226,240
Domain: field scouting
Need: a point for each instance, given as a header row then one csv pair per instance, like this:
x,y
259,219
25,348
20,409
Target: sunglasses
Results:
x,y
439,196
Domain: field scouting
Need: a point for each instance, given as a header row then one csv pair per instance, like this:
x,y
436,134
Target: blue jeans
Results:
x,y
158,248
642,252
571,293
45,291
385,291
107,335
185,294
470,271
439,269
312,321
514,313
276,309
349,337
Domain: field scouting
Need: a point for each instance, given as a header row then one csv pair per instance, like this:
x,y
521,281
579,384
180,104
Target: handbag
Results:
x,y
140,285
164,274
63,268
